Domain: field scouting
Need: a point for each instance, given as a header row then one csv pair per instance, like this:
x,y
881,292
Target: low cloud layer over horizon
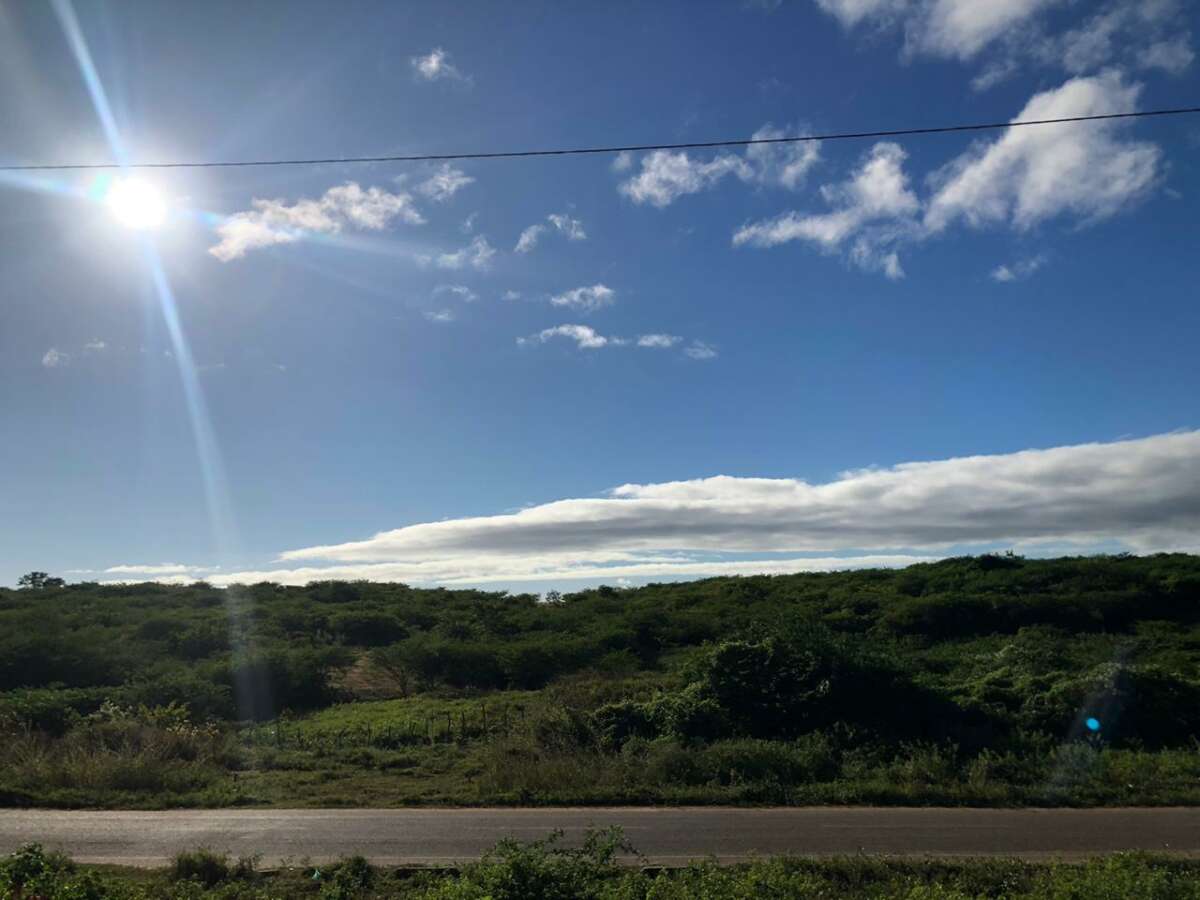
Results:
x,y
1141,495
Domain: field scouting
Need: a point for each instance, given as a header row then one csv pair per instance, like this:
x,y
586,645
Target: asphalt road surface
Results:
x,y
666,836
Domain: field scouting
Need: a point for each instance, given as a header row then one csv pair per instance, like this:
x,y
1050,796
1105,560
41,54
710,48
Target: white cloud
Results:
x,y
95,345
54,359
459,290
468,224
436,65
477,254
622,162
1041,171
445,183
658,340
571,228
562,223
700,350
877,192
441,316
667,175
1014,34
783,164
153,569
947,28
585,338
1142,495
1173,55
588,298
512,295
529,238
346,206
1022,268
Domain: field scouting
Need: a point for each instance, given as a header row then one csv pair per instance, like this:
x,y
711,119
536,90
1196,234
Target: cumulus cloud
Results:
x,y
877,192
54,359
1014,34
585,338
1020,269
1142,495
445,183
667,175
658,341
436,66
1035,173
588,298
1022,178
477,254
347,206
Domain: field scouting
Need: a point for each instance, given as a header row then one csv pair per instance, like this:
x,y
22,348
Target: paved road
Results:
x,y
664,835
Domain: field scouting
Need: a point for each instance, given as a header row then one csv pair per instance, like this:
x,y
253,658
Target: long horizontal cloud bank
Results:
x,y
1141,495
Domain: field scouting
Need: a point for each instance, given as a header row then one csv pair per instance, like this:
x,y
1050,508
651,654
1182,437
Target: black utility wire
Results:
x,y
581,151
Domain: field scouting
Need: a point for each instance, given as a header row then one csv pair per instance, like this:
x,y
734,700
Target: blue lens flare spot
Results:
x,y
1092,724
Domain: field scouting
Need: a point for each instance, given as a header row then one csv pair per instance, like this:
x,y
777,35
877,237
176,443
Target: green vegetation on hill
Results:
x,y
986,680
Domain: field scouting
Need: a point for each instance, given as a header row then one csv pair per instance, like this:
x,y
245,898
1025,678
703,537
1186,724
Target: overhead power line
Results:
x,y
583,151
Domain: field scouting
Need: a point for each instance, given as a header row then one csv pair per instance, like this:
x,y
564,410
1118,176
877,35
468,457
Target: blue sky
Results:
x,y
387,381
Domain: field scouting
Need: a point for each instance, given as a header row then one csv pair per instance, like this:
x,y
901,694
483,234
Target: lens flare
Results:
x,y
136,204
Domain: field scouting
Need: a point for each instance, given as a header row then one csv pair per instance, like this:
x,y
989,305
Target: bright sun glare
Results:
x,y
136,204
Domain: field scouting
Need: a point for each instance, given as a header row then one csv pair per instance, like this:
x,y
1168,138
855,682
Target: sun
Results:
x,y
136,204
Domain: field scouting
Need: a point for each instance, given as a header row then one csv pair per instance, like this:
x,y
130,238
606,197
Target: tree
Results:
x,y
39,580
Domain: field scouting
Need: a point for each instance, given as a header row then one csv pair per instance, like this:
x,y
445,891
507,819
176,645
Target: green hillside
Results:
x,y
986,680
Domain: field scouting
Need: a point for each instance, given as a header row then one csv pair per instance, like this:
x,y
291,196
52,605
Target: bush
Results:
x,y
202,866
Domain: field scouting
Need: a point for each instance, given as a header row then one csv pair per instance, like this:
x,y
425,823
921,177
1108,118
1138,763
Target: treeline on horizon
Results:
x,y
969,648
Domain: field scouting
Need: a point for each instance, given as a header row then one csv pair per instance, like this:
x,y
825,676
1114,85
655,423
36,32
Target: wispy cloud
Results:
x,y
154,569
461,291
588,298
700,350
658,340
1018,270
436,66
55,359
477,254
95,346
440,316
444,183
572,229
344,207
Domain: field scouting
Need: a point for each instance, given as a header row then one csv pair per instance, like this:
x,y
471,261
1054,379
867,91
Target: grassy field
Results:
x,y
545,871
980,681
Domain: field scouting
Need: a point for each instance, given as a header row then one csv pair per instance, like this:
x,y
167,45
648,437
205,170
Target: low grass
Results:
x,y
601,869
